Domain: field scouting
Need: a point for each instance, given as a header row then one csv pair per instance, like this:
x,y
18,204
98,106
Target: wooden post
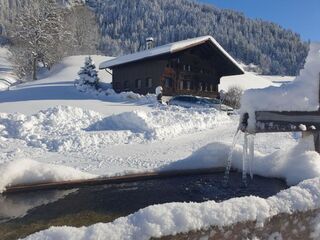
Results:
x,y
316,137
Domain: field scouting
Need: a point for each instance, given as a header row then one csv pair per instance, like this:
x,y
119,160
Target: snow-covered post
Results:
x,y
159,90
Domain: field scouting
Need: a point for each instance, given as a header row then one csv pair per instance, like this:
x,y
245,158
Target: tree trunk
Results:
x,y
34,68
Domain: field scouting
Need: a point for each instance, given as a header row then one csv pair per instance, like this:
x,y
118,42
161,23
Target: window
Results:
x,y
188,85
168,82
200,87
149,82
181,85
138,83
211,88
189,68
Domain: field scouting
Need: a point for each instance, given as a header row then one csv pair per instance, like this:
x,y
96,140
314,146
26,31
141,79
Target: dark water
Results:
x,y
24,213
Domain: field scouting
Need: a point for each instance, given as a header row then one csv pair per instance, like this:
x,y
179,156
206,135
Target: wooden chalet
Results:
x,y
192,67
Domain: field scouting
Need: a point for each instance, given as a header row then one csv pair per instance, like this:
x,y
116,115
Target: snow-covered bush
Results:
x,y
88,76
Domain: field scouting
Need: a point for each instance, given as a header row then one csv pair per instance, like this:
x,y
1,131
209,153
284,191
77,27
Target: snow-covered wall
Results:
x,y
302,94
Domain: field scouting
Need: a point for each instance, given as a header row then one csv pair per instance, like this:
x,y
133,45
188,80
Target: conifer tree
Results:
x,y
88,75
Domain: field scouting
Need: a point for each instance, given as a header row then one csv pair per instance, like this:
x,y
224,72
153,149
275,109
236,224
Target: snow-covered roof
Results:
x,y
165,49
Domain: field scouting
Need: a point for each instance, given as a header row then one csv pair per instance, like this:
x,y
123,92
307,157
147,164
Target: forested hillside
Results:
x,y
125,24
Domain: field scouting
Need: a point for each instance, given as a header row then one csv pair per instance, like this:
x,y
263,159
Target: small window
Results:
x,y
181,85
184,67
149,82
188,85
211,88
200,87
138,83
189,68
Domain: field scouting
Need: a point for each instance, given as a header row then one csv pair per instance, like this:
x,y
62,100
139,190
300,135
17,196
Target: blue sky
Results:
x,y
301,16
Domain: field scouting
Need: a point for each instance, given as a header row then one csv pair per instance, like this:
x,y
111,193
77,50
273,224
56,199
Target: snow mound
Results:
x,y
27,171
172,218
293,165
65,128
302,94
54,128
163,122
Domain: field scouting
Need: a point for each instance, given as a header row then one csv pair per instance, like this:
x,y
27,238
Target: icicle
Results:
x,y
245,159
251,154
229,160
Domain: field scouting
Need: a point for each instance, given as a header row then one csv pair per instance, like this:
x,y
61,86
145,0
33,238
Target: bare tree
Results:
x,y
84,34
233,96
37,32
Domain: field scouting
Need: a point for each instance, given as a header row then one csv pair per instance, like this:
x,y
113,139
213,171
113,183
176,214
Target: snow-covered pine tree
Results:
x,y
88,76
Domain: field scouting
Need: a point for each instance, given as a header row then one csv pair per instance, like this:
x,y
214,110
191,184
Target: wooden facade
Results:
x,y
195,70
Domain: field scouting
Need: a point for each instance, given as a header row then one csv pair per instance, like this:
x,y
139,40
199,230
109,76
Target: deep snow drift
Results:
x,y
66,128
302,94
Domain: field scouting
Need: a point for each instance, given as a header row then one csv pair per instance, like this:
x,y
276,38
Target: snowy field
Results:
x,y
51,131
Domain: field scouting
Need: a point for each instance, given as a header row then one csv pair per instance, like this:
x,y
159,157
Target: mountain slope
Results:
x,y
125,24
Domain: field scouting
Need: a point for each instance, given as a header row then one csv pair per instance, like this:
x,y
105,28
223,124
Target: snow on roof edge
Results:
x,y
168,48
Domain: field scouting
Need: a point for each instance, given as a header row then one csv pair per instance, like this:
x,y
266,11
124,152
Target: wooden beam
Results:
x,y
110,180
271,121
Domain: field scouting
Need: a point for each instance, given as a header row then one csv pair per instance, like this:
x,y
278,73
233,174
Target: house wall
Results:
x,y
126,77
191,72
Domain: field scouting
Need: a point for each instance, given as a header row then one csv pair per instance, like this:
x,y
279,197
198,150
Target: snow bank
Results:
x,y
65,128
293,165
163,122
302,94
26,171
173,218
55,128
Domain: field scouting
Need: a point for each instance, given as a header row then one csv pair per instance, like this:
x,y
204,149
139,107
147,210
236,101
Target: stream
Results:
x,y
24,213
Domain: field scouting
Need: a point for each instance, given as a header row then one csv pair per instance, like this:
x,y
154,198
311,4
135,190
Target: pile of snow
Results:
x,y
302,94
26,171
294,164
66,128
172,218
163,122
55,128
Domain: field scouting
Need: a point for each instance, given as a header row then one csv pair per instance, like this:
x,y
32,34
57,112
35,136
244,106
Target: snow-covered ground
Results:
x,y
251,80
51,131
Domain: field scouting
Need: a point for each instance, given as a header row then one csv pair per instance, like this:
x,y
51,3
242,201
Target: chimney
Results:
x,y
149,43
